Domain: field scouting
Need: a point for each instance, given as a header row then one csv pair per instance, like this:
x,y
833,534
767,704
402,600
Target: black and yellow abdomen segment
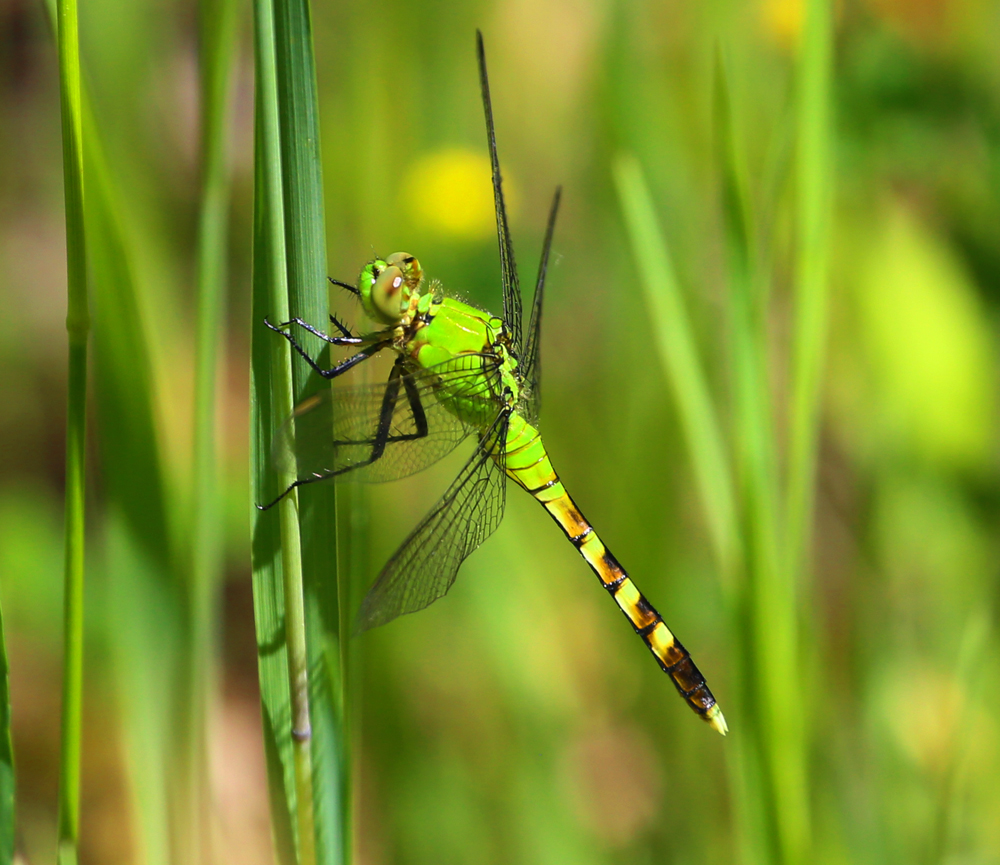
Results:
x,y
528,464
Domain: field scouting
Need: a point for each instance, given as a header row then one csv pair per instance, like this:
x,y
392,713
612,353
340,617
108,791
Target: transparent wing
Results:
x,y
532,362
381,432
508,267
424,567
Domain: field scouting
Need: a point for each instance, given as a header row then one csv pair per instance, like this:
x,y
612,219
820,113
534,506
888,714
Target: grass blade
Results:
x,y
78,329
275,547
678,354
148,627
814,190
773,684
218,20
308,298
7,812
295,555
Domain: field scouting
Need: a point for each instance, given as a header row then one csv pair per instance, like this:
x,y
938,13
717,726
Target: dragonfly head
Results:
x,y
386,286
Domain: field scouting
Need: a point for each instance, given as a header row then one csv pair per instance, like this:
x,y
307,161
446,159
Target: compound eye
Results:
x,y
413,273
387,293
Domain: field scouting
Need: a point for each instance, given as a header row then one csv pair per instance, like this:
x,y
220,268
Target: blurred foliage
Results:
x,y
518,720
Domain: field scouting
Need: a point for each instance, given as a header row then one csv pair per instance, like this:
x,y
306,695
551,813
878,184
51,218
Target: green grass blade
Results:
x,y
7,812
814,191
678,354
147,623
773,691
271,399
78,329
218,20
308,298
295,576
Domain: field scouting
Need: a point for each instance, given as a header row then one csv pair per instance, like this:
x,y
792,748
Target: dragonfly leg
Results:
x,y
339,368
292,486
417,407
382,437
345,331
385,417
346,338
385,414
378,443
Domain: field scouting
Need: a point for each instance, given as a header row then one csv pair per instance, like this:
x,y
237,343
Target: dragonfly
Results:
x,y
459,371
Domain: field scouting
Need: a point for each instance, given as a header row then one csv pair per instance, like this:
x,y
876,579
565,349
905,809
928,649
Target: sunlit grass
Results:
x,y
294,552
78,328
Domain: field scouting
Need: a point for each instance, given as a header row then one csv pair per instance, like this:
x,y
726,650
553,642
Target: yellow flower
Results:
x,y
782,21
449,192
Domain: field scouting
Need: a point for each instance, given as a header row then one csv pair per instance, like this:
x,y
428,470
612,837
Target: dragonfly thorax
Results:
x,y
386,286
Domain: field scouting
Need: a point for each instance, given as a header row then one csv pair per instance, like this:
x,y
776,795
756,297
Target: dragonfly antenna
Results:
x,y
351,288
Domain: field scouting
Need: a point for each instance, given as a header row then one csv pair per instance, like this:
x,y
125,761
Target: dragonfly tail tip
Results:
x,y
717,720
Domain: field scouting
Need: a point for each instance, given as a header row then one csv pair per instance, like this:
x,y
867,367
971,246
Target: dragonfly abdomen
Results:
x,y
528,464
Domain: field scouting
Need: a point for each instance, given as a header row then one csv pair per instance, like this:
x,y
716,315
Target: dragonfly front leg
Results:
x,y
339,368
345,338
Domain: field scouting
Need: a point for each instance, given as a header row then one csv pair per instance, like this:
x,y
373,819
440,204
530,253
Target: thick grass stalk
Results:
x,y
218,21
282,402
78,329
813,202
295,549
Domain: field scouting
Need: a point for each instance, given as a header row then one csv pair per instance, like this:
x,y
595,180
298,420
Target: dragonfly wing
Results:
x,y
508,267
337,431
532,363
424,567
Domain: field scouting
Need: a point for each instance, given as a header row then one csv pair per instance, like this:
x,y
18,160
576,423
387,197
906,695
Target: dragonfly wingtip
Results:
x,y
717,720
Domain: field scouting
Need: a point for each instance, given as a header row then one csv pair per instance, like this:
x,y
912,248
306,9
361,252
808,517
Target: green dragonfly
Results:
x,y
459,371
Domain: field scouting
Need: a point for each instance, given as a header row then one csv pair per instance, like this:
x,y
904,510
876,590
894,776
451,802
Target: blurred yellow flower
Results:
x,y
449,192
782,21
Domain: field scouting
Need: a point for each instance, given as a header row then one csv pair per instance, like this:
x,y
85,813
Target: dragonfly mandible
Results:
x,y
459,371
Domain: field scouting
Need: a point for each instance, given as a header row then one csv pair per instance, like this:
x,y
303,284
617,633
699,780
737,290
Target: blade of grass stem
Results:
x,y
147,623
269,612
678,354
281,577
813,192
308,298
773,681
7,812
296,588
78,330
973,649
218,21
148,627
